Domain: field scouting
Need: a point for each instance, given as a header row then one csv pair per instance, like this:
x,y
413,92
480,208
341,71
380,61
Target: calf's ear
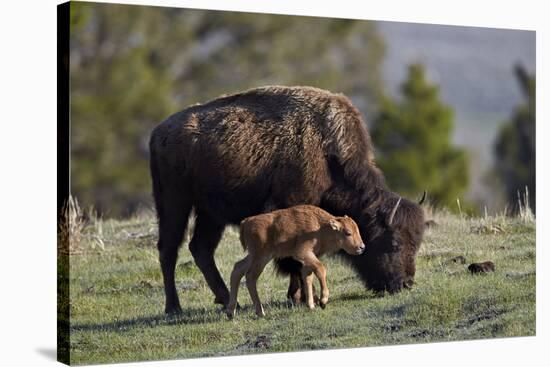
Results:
x,y
334,224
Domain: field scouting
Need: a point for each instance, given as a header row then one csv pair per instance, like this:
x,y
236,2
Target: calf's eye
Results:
x,y
347,233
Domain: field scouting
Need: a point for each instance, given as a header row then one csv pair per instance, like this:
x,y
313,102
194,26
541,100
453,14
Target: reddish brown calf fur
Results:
x,y
303,232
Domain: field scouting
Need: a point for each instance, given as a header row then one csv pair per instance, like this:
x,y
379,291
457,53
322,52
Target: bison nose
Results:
x,y
361,249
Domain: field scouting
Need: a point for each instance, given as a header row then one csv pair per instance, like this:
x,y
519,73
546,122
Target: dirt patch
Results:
x,y
520,275
393,327
485,315
260,342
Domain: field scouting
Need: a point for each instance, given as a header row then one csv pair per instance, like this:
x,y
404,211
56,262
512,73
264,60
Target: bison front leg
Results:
x,y
205,239
295,288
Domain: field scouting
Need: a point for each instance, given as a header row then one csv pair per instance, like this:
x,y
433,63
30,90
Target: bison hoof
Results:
x,y
237,307
323,305
230,309
173,310
295,297
220,301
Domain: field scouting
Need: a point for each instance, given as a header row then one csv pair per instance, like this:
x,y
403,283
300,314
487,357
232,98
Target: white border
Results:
x,y
28,166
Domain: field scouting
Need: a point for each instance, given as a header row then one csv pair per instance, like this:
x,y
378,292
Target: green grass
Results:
x,y
117,298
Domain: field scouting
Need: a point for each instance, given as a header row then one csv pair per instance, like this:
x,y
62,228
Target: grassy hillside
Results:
x,y
473,67
117,298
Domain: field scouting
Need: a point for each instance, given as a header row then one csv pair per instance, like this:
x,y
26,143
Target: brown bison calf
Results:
x,y
303,232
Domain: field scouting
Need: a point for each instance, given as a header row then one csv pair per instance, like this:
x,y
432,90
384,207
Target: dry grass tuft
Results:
x,y
487,227
70,226
525,212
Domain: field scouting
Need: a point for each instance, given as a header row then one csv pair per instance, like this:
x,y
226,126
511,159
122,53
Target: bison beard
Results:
x,y
271,148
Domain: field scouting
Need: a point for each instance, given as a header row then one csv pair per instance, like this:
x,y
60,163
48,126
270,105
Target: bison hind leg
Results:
x,y
296,288
205,240
172,225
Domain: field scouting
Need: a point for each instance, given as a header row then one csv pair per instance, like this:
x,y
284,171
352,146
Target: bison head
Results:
x,y
392,231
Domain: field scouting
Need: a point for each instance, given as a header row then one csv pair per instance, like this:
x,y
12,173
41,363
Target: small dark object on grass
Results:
x,y
484,267
459,259
261,342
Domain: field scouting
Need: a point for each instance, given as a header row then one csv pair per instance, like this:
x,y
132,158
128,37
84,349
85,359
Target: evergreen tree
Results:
x,y
515,146
413,141
133,66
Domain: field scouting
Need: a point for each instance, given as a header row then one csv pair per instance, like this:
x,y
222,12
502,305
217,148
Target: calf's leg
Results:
x,y
252,275
321,274
297,289
307,276
240,268
312,263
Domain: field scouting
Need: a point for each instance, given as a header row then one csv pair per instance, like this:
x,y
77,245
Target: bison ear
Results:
x,y
335,225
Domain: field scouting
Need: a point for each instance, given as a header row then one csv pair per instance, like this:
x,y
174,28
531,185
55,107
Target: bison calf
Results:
x,y
303,232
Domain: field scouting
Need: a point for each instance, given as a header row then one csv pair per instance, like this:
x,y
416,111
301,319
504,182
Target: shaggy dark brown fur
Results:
x,y
272,148
484,267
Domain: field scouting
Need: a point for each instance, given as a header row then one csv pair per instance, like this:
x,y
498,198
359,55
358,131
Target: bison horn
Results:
x,y
421,201
394,210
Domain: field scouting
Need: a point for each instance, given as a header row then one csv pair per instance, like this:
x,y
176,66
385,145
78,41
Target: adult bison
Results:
x,y
270,148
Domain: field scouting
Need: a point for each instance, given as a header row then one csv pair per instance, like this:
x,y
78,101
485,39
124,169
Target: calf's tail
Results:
x,y
242,234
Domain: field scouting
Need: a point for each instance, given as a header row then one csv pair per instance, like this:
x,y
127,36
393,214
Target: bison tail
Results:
x,y
155,177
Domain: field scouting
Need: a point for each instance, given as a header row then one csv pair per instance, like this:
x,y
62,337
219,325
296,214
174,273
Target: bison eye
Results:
x,y
347,232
